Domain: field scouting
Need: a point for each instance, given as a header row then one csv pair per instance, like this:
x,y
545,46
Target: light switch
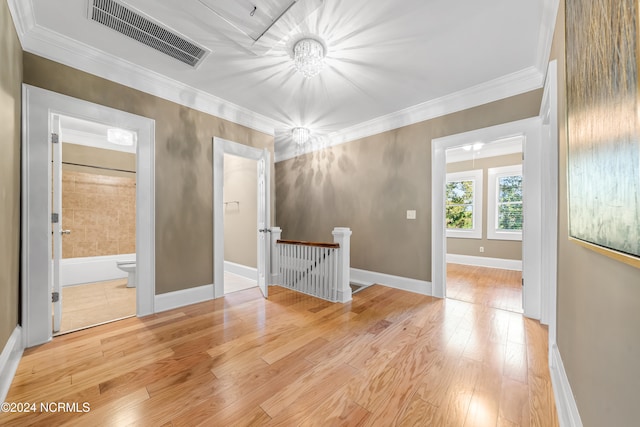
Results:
x,y
411,214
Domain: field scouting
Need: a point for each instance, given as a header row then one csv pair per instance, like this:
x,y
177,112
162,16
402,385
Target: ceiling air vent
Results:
x,y
132,24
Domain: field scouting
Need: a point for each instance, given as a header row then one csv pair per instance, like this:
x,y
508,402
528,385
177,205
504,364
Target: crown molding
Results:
x,y
545,37
56,47
525,80
23,17
503,87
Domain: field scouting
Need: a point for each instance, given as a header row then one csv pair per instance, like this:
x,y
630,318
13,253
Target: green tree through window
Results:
x,y
510,202
459,208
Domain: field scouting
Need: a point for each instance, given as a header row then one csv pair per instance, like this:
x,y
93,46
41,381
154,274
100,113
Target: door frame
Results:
x,y
549,139
532,249
221,147
38,106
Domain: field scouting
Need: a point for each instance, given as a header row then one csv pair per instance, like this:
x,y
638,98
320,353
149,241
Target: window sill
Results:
x,y
497,235
458,234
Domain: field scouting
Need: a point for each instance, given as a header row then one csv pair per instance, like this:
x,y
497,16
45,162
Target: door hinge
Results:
x,y
54,138
522,282
55,296
54,218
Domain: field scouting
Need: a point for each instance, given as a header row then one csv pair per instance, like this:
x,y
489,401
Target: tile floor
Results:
x,y
95,303
234,283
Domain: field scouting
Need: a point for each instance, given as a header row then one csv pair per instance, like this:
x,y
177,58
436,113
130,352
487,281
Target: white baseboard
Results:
x,y
176,299
241,270
366,278
75,271
9,360
480,261
568,414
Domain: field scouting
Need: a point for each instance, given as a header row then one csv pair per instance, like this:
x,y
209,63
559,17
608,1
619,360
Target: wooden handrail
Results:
x,y
316,244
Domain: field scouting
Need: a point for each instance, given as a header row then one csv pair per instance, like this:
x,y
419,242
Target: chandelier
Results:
x,y
308,55
300,135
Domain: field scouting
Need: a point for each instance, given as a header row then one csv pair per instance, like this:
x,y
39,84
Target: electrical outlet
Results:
x,y
411,214
481,249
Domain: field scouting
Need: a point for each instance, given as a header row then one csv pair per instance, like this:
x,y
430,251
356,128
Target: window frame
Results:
x,y
477,177
493,233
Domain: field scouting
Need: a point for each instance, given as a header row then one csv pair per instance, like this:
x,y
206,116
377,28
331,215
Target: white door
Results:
x,y
56,220
264,232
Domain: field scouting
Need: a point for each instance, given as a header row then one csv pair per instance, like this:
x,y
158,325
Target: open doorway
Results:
x,y
532,242
484,223
262,161
95,254
240,190
41,146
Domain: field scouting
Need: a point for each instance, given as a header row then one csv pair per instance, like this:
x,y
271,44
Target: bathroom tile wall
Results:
x,y
100,211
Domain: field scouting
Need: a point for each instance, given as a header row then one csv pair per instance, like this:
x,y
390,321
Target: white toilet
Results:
x,y
130,268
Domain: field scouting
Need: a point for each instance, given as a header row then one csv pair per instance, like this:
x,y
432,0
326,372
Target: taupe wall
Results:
x,y
183,144
369,184
598,308
10,104
240,219
505,249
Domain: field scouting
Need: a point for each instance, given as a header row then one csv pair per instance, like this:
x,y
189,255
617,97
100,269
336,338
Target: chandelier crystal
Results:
x,y
308,55
300,135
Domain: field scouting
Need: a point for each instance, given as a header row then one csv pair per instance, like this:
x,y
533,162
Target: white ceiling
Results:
x,y
92,134
389,62
485,149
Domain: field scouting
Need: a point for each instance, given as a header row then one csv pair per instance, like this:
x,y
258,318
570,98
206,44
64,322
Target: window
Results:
x,y
463,205
505,203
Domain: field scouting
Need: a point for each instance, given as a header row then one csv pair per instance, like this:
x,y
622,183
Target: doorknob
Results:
x,y
65,231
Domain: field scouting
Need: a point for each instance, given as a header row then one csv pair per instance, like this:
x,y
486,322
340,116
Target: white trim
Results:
x,y
65,50
549,208
568,415
545,37
492,203
184,297
480,261
76,271
37,107
503,87
532,243
24,17
247,272
9,361
366,278
478,187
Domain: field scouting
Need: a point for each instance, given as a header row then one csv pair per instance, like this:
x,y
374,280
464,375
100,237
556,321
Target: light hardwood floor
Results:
x,y
492,287
387,358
